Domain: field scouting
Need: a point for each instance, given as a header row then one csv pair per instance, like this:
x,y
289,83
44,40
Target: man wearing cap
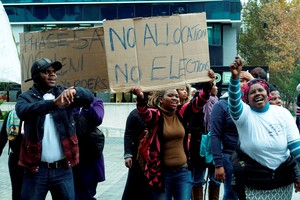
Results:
x,y
50,146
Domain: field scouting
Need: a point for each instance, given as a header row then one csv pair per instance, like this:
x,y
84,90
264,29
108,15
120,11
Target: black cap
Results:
x,y
43,64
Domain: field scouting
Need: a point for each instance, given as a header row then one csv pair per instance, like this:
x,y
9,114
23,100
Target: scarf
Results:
x,y
12,125
207,110
246,87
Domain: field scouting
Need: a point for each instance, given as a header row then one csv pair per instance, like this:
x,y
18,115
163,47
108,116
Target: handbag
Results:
x,y
251,173
91,139
205,148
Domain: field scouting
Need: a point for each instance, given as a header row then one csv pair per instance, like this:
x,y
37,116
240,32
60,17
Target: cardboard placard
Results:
x,y
81,52
157,53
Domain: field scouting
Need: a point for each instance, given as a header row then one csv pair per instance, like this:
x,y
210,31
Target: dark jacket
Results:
x,y
135,126
136,186
32,108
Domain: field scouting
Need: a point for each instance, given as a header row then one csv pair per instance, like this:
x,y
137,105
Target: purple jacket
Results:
x,y
91,171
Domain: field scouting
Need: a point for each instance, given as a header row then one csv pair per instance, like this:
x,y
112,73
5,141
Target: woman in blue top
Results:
x,y
268,135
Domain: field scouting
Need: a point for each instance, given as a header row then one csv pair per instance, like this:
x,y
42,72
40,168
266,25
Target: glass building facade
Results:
x,y
223,17
26,11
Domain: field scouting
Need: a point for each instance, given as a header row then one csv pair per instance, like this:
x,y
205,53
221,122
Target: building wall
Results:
x,y
115,116
229,44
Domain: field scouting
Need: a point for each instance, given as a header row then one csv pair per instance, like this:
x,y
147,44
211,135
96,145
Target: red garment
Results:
x,y
154,168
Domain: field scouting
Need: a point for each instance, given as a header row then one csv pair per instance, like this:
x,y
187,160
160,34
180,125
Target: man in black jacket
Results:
x,y
50,146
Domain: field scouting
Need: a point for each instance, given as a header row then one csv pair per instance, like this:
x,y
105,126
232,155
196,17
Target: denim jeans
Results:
x,y
58,181
178,185
229,193
199,172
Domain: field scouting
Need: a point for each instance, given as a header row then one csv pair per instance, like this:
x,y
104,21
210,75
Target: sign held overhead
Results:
x,y
157,53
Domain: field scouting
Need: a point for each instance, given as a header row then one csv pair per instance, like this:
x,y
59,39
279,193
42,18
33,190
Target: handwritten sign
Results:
x,y
158,52
10,69
81,52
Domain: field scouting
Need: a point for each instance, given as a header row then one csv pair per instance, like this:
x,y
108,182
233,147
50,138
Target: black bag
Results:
x,y
249,172
91,140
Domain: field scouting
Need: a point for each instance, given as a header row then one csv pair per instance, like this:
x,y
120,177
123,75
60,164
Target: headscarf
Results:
x,y
246,87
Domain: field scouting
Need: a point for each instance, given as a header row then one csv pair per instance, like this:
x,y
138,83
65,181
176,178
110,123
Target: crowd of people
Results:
x,y
251,142
179,143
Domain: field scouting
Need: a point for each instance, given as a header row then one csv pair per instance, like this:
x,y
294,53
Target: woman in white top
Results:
x,y
268,136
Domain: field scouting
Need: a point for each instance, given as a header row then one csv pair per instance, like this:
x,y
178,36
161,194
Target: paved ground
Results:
x,y
110,189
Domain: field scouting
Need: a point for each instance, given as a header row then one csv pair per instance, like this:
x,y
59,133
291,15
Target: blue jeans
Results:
x,y
199,175
229,193
178,185
58,181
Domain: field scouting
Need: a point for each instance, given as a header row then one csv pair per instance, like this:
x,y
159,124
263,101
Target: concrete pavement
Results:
x,y
116,173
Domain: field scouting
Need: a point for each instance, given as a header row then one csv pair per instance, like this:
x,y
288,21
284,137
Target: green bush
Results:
x,y
4,114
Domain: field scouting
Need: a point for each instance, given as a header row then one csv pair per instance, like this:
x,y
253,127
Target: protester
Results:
x,y
136,186
224,139
275,98
259,72
167,168
90,169
267,136
245,76
49,145
11,132
184,94
193,92
199,126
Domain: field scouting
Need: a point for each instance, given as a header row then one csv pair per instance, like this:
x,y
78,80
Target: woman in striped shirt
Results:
x,y
268,136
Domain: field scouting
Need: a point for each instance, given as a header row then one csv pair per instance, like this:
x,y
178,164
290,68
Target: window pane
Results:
x,y
160,10
40,12
195,7
74,13
125,11
109,12
214,34
210,34
217,35
142,10
58,12
91,12
178,9
11,13
214,10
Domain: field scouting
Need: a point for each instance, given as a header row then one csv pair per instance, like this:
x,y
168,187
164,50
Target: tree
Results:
x,y
272,38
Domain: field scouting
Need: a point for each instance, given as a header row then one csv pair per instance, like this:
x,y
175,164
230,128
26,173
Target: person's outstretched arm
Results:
x,y
234,90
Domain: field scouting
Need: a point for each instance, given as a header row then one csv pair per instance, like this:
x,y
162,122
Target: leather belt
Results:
x,y
54,165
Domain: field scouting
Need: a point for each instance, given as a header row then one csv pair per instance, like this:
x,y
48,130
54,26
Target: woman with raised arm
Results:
x,y
268,141
167,167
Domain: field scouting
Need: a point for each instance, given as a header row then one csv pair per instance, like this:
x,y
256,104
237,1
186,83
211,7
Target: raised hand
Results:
x,y
236,67
137,90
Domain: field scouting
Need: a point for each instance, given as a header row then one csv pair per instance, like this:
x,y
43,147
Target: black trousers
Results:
x,y
16,173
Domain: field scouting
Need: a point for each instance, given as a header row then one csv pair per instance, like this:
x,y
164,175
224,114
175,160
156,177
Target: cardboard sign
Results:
x,y
81,52
157,53
10,68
